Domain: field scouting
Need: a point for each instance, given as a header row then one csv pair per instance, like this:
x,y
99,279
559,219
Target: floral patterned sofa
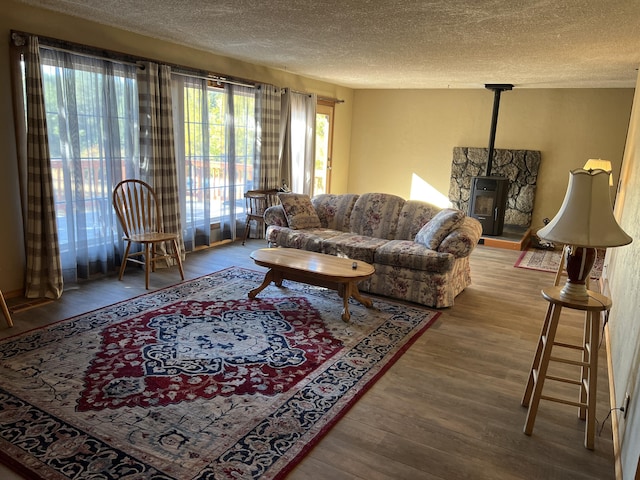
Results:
x,y
420,252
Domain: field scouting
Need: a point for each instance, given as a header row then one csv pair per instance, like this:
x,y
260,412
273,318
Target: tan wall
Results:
x,y
399,133
16,16
623,281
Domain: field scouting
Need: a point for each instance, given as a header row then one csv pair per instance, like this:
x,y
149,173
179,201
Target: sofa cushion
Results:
x,y
414,215
299,210
351,245
432,233
274,215
409,254
310,239
333,210
376,215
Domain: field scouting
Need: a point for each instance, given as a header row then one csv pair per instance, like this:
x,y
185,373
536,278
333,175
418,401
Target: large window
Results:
x,y
215,142
93,136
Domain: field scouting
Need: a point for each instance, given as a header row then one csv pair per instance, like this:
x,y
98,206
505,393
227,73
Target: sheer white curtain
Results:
x,y
92,125
298,132
240,135
215,133
193,155
285,138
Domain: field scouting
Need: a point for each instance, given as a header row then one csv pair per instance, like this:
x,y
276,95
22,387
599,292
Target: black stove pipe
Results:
x,y
497,88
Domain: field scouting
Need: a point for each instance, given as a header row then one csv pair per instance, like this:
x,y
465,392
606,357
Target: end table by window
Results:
x,y
586,403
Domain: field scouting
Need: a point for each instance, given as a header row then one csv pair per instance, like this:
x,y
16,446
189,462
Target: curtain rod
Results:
x,y
329,99
213,78
111,56
88,55
326,99
174,71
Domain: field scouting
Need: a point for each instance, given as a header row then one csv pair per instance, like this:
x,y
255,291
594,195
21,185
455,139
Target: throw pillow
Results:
x,y
299,211
442,224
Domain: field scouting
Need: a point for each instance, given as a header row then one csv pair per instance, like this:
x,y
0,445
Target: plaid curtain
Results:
x,y
44,271
268,105
157,153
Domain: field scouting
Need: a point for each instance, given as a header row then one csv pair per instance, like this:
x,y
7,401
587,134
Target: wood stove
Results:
x,y
488,202
488,197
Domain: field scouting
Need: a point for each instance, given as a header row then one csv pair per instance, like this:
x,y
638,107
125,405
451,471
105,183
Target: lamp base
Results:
x,y
578,261
573,291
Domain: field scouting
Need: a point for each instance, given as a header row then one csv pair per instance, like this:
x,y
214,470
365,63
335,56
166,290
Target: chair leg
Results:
x,y
124,260
5,310
176,251
153,250
147,263
264,228
246,230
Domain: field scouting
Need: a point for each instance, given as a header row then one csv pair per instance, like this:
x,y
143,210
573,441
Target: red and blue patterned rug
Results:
x,y
195,381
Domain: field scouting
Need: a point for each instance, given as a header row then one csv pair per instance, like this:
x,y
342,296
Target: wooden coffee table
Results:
x,y
327,271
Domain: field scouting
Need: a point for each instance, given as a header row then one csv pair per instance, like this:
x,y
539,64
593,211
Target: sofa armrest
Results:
x,y
461,241
274,215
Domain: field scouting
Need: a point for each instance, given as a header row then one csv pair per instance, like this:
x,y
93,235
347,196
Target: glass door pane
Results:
x,y
324,133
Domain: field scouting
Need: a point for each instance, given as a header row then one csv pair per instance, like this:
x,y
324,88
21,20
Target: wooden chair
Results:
x,y
256,202
139,215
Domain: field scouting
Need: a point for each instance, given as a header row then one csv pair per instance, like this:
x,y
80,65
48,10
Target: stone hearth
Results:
x,y
519,166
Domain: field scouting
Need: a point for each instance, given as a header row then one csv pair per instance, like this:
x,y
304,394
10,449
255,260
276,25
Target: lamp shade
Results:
x,y
599,164
585,218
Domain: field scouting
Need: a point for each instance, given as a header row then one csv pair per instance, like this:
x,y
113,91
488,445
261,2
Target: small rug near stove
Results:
x,y
549,261
195,381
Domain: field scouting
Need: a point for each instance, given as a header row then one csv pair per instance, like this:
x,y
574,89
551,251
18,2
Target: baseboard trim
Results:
x,y
603,283
613,405
14,293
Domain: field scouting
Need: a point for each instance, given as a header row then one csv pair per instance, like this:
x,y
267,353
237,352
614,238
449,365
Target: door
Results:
x,y
324,145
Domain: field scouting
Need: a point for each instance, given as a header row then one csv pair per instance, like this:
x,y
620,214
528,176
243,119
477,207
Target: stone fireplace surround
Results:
x,y
519,166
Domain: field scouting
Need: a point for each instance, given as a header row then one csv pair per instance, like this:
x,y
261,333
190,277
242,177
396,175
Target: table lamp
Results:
x,y
584,222
599,164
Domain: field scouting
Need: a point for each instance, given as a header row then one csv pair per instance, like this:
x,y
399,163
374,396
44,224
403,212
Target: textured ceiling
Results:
x,y
399,43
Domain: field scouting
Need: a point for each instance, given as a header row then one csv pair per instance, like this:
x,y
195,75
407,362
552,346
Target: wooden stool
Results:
x,y
586,404
5,310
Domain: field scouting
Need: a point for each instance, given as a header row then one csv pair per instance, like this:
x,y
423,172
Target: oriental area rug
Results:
x,y
194,381
549,261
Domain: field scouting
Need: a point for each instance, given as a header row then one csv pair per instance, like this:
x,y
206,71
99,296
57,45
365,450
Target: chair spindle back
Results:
x,y
137,208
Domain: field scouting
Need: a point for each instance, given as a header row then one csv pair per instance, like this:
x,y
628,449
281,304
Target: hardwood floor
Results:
x,y
450,407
